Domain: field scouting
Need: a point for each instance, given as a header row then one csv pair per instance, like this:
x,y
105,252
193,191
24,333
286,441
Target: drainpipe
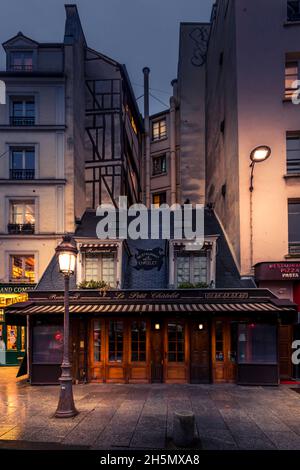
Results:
x,y
173,104
146,72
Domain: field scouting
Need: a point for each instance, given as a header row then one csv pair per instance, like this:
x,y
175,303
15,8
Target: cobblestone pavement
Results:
x,y
140,416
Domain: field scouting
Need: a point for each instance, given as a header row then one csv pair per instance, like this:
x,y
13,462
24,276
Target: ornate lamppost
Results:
x,y
66,253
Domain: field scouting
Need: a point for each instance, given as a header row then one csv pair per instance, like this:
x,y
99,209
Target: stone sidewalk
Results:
x,y
140,416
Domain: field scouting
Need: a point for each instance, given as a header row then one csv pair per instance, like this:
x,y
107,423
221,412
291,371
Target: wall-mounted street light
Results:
x,y
258,155
66,254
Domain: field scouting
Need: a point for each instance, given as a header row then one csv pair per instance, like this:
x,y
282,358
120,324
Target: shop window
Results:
x,y
23,338
293,153
97,340
22,217
159,129
22,163
191,269
2,346
115,352
159,165
257,343
175,342
100,267
138,341
21,61
48,341
11,338
22,111
22,268
158,199
294,227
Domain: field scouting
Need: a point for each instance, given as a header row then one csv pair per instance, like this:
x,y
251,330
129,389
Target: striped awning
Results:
x,y
151,308
98,246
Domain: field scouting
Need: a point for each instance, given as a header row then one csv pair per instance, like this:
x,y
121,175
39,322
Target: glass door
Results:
x,y
175,352
224,350
115,352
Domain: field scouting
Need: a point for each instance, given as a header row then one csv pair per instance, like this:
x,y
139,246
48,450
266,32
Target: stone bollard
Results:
x,y
184,429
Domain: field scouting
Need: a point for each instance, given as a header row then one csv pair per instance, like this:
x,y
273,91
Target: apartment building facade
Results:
x,y
252,66
70,138
178,134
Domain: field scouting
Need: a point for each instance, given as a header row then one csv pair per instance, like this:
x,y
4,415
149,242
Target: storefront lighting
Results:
x,y
157,326
201,326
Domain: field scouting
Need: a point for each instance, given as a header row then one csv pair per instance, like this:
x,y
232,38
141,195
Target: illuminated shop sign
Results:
x,y
277,271
16,288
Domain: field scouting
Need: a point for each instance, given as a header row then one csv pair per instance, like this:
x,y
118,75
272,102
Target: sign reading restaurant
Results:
x,y
285,271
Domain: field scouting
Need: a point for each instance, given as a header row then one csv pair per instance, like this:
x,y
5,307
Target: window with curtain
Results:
x,y
191,268
100,267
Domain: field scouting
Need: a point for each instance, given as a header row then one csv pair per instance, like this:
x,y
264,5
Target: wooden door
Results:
x,y
200,352
176,352
97,350
157,354
285,351
139,357
116,355
224,350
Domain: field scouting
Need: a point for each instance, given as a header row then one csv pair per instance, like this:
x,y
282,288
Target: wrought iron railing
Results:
x,y
21,68
22,121
15,229
294,248
293,166
22,174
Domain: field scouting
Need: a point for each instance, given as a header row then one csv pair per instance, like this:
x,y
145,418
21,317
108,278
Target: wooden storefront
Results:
x,y
183,336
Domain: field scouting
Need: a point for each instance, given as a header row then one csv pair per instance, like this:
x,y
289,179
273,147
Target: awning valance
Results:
x,y
221,308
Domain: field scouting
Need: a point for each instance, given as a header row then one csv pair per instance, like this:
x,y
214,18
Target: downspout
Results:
x,y
146,72
173,170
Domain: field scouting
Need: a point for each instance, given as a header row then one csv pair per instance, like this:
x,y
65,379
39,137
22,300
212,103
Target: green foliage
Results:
x,y
93,285
189,285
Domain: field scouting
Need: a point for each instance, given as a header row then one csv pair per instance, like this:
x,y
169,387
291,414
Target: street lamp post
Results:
x,y
258,155
66,253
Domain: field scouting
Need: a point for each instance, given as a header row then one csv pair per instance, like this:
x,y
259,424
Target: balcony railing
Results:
x,y
21,68
293,10
20,229
293,167
22,174
294,248
22,121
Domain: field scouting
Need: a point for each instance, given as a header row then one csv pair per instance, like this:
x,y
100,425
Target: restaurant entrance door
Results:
x,y
200,352
224,350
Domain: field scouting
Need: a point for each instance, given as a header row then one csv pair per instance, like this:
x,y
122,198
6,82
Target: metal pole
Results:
x,y
146,72
66,407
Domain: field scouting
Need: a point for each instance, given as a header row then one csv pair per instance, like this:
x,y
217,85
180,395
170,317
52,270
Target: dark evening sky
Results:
x,y
134,32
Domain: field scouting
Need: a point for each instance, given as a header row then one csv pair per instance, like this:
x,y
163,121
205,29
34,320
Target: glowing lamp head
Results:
x,y
157,326
66,253
260,154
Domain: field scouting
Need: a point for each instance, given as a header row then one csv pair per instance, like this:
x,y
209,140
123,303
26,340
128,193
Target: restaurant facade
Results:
x,y
160,313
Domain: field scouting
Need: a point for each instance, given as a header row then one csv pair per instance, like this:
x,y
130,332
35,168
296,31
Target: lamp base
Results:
x,y
66,407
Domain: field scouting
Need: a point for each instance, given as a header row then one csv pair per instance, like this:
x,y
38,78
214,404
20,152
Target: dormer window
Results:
x,y
21,61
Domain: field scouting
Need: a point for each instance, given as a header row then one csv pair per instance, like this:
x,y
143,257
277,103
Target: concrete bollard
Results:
x,y
184,429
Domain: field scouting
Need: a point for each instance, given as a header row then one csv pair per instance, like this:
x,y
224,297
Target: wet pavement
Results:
x,y
141,416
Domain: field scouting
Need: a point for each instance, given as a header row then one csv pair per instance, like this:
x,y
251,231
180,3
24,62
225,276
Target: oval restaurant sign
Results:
x,y
277,271
149,259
